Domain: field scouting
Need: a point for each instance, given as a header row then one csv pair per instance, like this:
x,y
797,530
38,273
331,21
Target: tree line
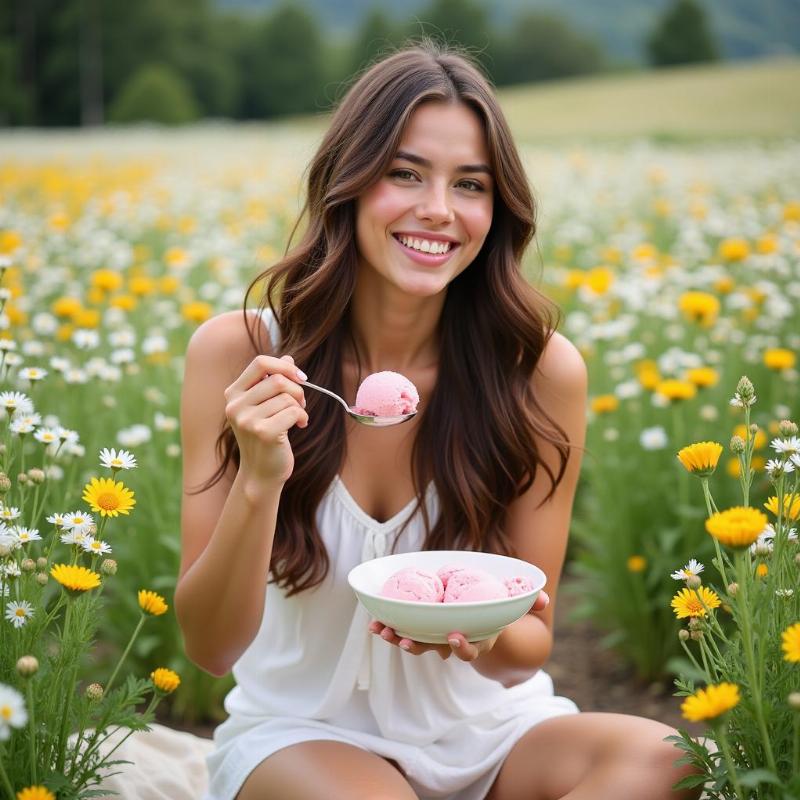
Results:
x,y
84,62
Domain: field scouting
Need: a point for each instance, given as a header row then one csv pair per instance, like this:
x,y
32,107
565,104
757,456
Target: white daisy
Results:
x,y
173,450
112,458
795,459
694,567
86,338
76,375
20,426
78,521
11,401
11,569
654,438
9,512
32,374
775,468
96,546
75,537
57,520
46,435
18,613
790,445
7,344
32,419
12,711
59,363
165,423
26,535
66,434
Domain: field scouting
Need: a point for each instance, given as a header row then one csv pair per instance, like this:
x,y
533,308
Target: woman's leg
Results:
x,y
325,769
592,756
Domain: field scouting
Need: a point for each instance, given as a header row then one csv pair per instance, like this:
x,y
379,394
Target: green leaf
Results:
x,y
754,777
690,781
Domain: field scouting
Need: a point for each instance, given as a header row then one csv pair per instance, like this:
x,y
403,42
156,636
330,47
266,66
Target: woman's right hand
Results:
x,y
261,405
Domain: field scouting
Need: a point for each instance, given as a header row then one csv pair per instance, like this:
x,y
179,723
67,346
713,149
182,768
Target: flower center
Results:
x,y
5,712
108,501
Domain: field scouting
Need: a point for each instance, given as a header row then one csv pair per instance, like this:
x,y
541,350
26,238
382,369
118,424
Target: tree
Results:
x,y
682,35
155,93
285,65
376,36
541,46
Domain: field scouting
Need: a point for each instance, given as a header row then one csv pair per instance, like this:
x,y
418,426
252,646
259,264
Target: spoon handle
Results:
x,y
327,392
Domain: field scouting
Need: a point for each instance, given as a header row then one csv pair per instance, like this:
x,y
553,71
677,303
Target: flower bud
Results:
x,y
695,624
27,565
36,475
108,567
732,589
91,529
787,428
683,634
794,701
94,692
41,562
762,549
694,582
737,445
697,635
5,483
42,578
5,549
27,666
22,478
745,389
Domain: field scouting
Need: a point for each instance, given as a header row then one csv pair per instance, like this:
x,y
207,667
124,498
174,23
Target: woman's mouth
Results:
x,y
430,252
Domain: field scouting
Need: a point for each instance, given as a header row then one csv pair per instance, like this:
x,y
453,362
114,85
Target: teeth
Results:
x,y
426,246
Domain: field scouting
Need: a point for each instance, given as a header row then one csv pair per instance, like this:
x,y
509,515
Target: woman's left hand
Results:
x,y
456,642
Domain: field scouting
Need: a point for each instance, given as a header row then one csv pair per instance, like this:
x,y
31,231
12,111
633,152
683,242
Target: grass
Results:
x,y
728,100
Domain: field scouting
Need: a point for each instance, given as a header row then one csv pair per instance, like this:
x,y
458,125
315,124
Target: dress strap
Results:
x,y
268,318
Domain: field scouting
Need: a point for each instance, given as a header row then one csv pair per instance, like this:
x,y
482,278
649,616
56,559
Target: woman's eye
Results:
x,y
402,173
474,186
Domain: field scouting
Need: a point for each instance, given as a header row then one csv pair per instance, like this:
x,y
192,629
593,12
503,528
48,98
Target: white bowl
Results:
x,y
431,622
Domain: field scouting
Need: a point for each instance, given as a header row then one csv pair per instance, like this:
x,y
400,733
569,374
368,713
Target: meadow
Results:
x,y
675,260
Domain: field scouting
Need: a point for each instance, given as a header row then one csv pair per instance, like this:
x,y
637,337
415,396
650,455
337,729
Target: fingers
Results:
x,y
409,645
541,602
260,367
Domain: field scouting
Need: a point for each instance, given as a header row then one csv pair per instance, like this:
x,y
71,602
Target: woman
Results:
x,y
329,704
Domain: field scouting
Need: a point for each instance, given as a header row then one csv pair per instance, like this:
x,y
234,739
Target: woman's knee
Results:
x,y
660,756
329,769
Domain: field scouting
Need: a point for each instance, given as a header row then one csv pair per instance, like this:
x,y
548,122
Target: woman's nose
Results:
x,y
435,205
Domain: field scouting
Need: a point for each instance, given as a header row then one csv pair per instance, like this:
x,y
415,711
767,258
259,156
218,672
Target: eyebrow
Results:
x,y
423,162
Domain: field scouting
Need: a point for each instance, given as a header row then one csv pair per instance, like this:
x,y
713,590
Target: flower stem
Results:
x,y
709,506
726,752
125,654
796,745
4,777
747,643
31,728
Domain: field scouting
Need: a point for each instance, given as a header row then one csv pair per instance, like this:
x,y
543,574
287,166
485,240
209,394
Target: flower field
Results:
x,y
677,270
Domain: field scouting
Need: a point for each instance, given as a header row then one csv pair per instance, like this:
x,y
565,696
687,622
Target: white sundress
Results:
x,y
314,671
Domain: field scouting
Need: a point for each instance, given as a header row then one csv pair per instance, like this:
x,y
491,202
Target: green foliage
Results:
x,y
375,37
155,93
682,35
540,46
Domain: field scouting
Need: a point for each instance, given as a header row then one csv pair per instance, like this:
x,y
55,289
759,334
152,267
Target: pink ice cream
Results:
x,y
517,586
468,585
386,394
414,584
445,572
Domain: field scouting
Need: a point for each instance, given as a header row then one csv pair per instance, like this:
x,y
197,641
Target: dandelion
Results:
x,y
18,613
12,711
165,680
694,602
74,578
116,460
790,643
107,497
604,404
734,249
675,390
152,603
699,307
778,358
710,703
791,506
637,563
691,570
700,458
737,527
702,377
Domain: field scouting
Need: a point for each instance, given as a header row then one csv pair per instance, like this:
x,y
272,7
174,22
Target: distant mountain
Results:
x,y
745,28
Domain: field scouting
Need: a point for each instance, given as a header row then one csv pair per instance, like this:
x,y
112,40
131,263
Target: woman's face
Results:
x,y
426,219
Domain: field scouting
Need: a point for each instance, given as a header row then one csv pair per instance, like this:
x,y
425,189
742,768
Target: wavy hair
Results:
x,y
493,328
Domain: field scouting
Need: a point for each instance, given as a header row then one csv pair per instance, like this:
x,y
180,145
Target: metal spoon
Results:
x,y
364,419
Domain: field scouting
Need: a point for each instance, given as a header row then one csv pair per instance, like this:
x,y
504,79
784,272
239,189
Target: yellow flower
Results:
x,y
87,318
767,244
791,506
711,702
165,680
197,311
724,285
127,302
35,793
791,211
702,377
66,307
9,242
76,579
734,249
738,526
106,279
604,404
790,643
637,563
762,570
176,257
107,497
699,307
644,252
694,602
152,603
734,468
700,458
168,284
142,285
779,358
599,279
676,390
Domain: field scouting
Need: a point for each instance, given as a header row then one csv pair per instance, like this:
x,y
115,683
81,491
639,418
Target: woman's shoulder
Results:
x,y
561,369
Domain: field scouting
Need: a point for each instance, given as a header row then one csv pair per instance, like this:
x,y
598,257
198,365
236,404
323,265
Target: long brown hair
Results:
x,y
478,448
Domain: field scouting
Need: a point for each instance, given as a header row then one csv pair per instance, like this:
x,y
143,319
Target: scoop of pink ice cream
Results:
x,y
446,571
386,394
518,585
468,585
414,584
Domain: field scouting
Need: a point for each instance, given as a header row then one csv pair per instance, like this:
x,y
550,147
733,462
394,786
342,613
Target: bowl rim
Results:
x,y
538,586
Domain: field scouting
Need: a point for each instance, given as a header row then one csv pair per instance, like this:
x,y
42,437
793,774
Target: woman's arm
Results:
x,y
227,530
539,532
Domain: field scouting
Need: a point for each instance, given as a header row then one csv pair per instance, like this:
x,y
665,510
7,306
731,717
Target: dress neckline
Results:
x,y
350,503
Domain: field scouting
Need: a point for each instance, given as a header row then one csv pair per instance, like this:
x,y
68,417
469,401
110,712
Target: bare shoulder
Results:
x,y
561,373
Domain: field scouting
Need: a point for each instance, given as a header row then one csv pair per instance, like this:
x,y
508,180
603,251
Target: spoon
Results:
x,y
364,419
